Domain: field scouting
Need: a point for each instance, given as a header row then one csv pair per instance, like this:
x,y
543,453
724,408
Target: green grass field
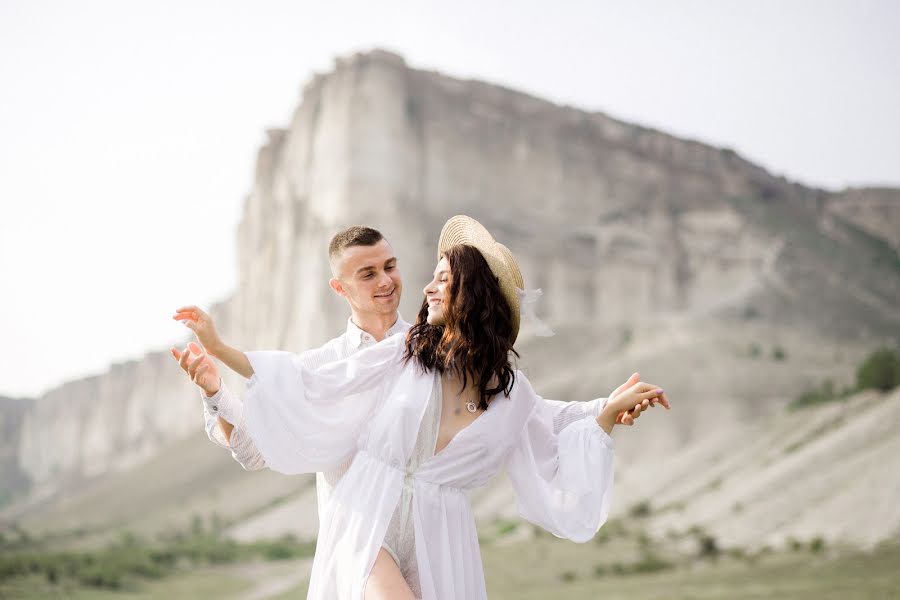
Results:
x,y
544,567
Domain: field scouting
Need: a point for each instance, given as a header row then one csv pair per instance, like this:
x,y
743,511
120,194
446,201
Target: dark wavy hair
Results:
x,y
477,336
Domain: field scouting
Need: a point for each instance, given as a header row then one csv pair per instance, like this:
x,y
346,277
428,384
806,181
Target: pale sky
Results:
x,y
128,130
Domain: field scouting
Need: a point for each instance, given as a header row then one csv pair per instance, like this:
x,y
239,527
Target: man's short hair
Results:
x,y
357,235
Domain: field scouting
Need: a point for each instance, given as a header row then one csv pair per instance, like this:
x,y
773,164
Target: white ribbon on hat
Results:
x,y
527,301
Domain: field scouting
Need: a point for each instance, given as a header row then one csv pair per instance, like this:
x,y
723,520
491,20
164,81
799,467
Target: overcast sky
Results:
x,y
128,130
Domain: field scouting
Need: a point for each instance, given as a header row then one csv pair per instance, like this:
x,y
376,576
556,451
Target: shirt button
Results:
x,y
214,408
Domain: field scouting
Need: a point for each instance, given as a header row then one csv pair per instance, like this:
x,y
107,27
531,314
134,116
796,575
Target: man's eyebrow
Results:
x,y
365,268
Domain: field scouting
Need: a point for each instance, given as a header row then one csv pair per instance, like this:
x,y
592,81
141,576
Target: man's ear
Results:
x,y
338,286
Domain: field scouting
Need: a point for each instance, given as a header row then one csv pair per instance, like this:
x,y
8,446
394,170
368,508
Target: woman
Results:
x,y
430,417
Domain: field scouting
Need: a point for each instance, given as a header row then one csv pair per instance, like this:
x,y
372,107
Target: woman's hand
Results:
x,y
198,321
632,401
202,369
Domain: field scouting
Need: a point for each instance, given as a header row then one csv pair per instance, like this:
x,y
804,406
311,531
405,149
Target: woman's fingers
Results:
x,y
664,400
635,377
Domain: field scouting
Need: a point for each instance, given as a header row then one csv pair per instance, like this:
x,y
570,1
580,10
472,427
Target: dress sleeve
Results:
x,y
566,413
563,481
304,420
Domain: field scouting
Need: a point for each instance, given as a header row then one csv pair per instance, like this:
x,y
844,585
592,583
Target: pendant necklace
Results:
x,y
470,406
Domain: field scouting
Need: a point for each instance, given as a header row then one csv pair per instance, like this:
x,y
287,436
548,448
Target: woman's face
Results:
x,y
437,293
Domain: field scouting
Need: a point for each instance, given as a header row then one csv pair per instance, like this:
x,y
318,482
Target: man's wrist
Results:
x,y
216,348
212,394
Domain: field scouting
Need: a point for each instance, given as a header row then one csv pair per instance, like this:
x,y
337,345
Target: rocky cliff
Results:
x,y
622,226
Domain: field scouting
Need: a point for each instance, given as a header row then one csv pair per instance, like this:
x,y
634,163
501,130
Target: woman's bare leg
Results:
x,y
386,582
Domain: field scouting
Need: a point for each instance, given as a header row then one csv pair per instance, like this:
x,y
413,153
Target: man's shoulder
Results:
x,y
333,349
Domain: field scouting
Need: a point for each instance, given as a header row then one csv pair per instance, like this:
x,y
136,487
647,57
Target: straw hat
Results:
x,y
466,230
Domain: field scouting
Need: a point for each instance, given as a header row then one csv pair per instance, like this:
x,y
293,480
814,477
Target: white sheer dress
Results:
x,y
371,407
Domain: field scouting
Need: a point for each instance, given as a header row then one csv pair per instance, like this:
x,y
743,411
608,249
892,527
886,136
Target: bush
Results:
x,y
709,548
568,576
650,563
825,393
817,545
641,509
779,354
879,371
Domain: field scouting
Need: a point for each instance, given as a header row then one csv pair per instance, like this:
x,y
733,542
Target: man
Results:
x,y
364,272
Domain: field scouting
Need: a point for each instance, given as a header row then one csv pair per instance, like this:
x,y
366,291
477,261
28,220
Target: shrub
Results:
x,y
779,354
879,371
650,563
815,396
568,576
709,548
641,509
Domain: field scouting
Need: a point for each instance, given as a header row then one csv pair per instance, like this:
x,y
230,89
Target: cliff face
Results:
x,y
617,223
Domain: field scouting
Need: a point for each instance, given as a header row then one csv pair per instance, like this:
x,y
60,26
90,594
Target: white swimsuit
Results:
x,y
400,539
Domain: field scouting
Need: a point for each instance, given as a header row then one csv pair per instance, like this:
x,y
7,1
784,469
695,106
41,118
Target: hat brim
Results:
x,y
462,229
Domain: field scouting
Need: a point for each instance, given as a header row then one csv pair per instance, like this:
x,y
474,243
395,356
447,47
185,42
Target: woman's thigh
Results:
x,y
386,582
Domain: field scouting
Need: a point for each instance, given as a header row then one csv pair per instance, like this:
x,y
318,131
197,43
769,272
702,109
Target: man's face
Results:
x,y
368,277
437,293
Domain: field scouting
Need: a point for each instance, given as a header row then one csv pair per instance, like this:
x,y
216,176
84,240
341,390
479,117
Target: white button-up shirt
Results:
x,y
226,405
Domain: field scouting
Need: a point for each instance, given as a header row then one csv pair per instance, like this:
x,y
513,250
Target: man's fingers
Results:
x,y
184,357
196,377
195,348
196,363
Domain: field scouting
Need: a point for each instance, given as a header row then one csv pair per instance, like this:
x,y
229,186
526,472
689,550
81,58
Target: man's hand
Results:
x,y
202,325
199,366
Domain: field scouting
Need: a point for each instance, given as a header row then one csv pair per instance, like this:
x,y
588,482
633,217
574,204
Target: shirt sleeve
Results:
x,y
563,481
229,407
305,420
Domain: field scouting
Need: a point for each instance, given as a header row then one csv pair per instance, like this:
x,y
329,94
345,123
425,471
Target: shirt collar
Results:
x,y
356,336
